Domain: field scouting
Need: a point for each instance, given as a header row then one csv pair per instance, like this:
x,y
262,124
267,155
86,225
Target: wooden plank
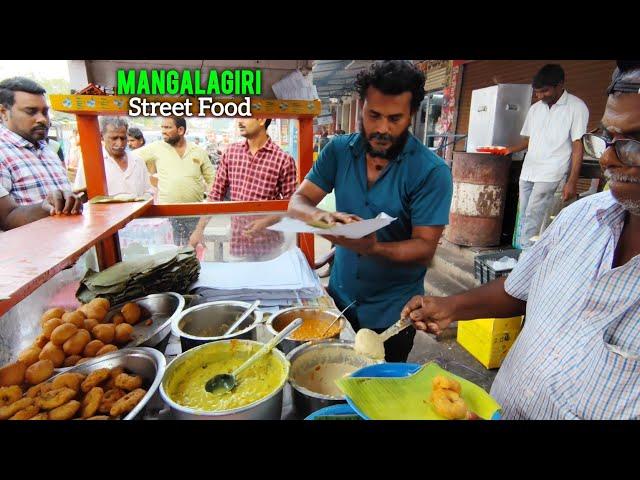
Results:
x,y
216,208
34,253
119,105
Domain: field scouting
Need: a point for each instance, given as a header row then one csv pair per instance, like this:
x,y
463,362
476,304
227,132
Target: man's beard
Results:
x,y
173,140
33,134
397,143
631,206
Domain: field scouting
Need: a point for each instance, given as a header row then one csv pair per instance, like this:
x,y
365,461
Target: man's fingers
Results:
x,y
77,209
57,201
413,304
420,326
48,207
69,202
344,217
434,328
417,315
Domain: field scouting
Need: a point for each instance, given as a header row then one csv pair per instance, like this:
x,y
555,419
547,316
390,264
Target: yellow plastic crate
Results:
x,y
489,339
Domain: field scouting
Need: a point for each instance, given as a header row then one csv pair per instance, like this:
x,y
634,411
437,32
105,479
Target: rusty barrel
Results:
x,y
479,191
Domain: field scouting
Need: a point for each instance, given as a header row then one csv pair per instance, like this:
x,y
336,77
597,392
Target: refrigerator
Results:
x,y
497,115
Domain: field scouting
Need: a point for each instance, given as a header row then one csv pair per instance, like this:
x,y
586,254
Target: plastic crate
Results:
x,y
484,273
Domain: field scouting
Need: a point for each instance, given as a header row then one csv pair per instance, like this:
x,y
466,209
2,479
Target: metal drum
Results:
x,y
479,191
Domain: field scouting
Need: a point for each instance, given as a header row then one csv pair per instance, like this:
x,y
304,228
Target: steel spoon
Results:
x,y
242,318
228,381
336,319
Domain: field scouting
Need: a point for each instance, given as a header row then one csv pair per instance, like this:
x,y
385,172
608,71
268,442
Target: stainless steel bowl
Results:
x,y
284,317
306,358
267,408
149,363
204,323
163,307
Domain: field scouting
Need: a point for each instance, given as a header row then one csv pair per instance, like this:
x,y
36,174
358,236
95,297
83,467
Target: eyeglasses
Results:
x,y
627,149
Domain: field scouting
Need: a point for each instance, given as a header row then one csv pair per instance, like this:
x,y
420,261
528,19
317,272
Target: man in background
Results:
x,y
125,171
552,134
135,138
255,169
31,174
183,169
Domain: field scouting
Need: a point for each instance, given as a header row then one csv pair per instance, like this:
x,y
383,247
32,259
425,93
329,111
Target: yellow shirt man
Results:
x,y
183,179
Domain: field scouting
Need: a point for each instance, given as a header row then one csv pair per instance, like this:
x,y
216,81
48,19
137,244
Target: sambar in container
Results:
x,y
315,321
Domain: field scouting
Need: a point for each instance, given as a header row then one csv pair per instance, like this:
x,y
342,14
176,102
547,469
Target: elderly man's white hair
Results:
x,y
116,122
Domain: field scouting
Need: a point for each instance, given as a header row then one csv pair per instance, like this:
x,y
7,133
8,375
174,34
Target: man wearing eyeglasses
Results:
x,y
578,355
552,134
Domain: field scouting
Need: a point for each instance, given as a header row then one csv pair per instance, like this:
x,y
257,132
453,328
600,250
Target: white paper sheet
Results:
x,y
348,230
276,282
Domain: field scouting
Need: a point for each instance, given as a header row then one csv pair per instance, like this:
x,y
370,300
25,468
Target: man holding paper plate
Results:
x,y
382,169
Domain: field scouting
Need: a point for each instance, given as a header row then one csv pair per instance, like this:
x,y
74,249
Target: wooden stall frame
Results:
x,y
87,108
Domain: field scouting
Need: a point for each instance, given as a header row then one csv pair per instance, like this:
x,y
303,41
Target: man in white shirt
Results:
x,y
553,131
126,172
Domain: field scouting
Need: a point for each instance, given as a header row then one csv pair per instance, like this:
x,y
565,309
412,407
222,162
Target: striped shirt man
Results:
x,y
28,172
578,355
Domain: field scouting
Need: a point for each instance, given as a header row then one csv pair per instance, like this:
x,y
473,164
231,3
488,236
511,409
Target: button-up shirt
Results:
x,y
29,172
134,179
180,179
415,187
550,132
270,174
578,355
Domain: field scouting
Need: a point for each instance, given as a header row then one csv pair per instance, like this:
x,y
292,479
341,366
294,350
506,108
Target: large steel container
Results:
x,y
147,362
479,192
206,323
266,408
284,317
306,358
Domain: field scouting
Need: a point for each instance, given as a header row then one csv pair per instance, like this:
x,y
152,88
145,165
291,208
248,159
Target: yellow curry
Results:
x,y
186,385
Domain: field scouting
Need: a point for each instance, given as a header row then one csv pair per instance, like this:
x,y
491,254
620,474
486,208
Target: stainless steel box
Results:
x,y
498,114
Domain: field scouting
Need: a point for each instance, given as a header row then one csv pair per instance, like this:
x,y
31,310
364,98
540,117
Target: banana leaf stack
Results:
x,y
172,271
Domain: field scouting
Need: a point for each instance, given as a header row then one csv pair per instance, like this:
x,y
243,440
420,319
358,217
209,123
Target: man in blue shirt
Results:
x,y
381,169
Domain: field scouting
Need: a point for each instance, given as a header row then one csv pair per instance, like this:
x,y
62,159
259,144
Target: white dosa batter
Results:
x,y
321,379
369,343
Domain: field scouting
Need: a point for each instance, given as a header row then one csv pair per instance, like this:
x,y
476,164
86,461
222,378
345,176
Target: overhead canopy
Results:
x,y
103,72
335,78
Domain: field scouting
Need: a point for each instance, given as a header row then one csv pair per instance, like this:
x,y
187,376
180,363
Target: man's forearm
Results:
x,y
488,301
414,250
23,215
301,207
576,165
520,146
202,224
